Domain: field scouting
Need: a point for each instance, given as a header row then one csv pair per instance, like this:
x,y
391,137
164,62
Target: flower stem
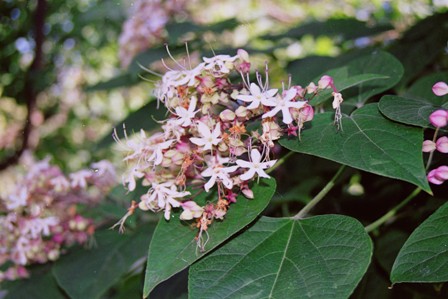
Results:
x,y
380,221
280,162
302,213
431,154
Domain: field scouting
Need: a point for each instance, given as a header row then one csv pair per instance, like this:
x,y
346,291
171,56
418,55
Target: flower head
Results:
x,y
209,137
283,104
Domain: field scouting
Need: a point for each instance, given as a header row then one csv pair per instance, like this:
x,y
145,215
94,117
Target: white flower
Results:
x,y
129,178
219,64
17,199
255,167
220,173
162,196
185,115
209,138
157,155
283,104
257,96
79,178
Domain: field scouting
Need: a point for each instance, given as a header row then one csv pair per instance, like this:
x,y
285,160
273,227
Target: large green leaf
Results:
x,y
388,69
424,256
417,104
318,257
90,273
369,142
173,246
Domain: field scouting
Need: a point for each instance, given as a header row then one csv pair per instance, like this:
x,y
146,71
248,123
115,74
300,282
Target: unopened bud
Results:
x,y
440,89
227,115
442,144
325,82
241,112
311,88
248,193
439,118
428,146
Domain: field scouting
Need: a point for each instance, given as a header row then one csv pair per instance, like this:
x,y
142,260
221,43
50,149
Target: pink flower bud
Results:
x,y
337,100
306,113
439,118
325,82
442,144
428,146
191,210
441,173
440,89
433,179
311,87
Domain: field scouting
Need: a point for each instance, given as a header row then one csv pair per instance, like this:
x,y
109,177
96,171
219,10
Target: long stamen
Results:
x,y
172,58
149,71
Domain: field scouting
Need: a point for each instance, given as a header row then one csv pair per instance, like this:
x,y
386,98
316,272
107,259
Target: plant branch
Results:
x,y
280,162
29,91
302,213
380,221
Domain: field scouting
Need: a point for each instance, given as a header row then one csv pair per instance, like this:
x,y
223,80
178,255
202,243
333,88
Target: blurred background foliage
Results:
x,y
81,44
78,86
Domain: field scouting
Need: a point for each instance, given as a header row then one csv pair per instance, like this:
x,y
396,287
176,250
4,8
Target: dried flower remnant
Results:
x,y
39,217
205,142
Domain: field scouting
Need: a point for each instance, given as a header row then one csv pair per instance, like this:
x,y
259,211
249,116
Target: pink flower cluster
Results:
x,y
39,217
218,136
146,26
438,119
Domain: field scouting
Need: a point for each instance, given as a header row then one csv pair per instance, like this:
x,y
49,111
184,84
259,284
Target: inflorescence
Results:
x,y
218,136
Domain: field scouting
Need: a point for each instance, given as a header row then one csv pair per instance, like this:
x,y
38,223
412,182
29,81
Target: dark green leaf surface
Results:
x,y
424,256
388,69
90,273
37,287
368,142
319,257
173,246
417,104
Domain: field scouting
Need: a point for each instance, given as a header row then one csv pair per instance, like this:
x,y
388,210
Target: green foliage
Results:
x,y
166,258
367,141
417,104
319,257
90,273
424,256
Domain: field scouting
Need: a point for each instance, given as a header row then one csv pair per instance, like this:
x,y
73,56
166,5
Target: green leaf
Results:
x,y
424,256
369,142
42,286
145,118
318,257
417,104
344,81
173,246
344,29
421,45
381,64
90,273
